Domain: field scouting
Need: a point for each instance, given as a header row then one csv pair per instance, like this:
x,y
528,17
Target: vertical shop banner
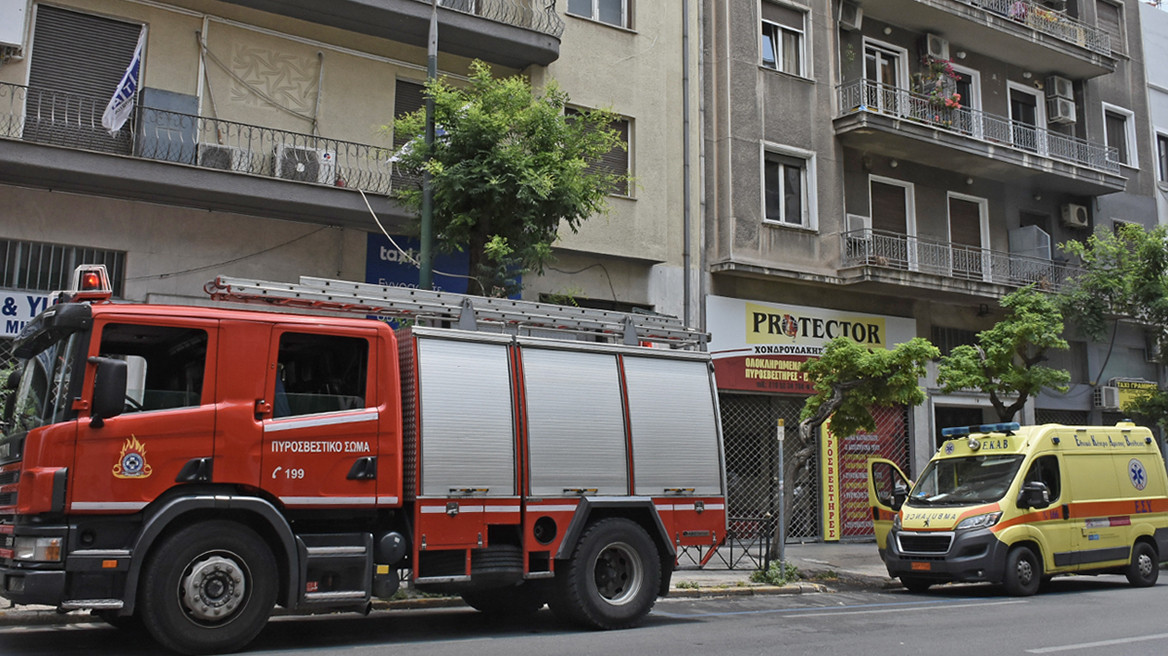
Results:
x,y
759,346
829,471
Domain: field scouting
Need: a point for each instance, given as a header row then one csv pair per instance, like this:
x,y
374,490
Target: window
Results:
x,y
1162,156
319,373
1110,20
1119,133
1045,470
785,189
165,364
615,161
947,339
613,12
39,266
782,38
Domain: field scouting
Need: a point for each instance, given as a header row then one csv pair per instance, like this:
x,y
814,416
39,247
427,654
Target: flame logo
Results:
x,y
132,461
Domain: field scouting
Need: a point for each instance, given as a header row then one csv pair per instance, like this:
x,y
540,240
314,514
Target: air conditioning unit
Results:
x,y
224,158
1107,398
1059,87
1060,110
857,222
1075,216
851,16
12,23
936,47
306,164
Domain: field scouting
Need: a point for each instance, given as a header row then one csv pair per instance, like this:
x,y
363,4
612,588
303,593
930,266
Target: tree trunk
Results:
x,y
797,457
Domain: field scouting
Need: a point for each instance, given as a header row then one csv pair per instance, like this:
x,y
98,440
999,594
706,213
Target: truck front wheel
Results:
x,y
209,588
612,578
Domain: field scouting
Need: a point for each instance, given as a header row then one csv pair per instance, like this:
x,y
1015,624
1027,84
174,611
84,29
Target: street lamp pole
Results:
x,y
426,269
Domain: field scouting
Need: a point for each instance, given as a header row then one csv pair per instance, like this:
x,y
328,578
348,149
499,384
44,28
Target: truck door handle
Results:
x,y
365,469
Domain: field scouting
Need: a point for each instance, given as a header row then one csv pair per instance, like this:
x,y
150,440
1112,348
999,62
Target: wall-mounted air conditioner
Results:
x,y
1107,398
12,17
225,158
936,47
851,16
306,164
1075,216
1060,110
1059,87
858,222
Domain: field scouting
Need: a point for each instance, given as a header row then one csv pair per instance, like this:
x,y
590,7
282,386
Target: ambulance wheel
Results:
x,y
1144,569
612,578
515,601
914,584
1023,572
209,588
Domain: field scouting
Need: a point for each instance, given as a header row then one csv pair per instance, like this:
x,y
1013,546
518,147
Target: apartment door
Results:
x,y
883,75
1025,119
891,204
965,238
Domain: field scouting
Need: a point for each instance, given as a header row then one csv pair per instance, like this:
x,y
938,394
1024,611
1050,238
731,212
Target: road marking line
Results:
x,y
848,610
1101,643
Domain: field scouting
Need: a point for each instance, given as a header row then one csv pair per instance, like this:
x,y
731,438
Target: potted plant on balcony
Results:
x,y
938,81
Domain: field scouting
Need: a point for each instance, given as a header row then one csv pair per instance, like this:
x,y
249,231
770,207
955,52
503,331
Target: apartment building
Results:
x,y
1154,27
257,126
891,169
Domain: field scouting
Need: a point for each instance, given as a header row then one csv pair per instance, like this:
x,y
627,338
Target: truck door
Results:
x,y
169,415
1052,521
320,425
883,476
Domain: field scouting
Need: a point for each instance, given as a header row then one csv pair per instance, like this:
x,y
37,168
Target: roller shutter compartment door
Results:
x,y
575,423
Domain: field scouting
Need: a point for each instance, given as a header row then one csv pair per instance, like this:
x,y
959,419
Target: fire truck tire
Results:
x,y
514,601
1023,572
1144,569
612,578
209,588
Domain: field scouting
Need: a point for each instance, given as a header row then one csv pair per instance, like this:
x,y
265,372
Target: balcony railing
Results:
x,y
538,15
889,250
74,121
868,96
1048,21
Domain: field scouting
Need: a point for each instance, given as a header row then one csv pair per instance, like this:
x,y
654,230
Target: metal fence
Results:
x,y
890,250
869,96
538,15
75,121
1048,21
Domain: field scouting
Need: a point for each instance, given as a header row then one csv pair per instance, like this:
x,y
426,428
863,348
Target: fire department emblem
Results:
x,y
132,461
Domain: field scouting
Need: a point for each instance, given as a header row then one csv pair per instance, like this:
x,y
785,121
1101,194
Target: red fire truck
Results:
x,y
187,469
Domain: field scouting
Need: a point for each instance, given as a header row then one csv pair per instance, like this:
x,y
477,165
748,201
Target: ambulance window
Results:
x,y
1046,470
164,364
319,373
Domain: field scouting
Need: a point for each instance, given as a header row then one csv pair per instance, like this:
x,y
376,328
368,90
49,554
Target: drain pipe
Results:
x,y
685,222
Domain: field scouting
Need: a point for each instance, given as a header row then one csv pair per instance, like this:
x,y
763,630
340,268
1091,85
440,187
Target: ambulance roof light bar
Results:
x,y
90,283
962,431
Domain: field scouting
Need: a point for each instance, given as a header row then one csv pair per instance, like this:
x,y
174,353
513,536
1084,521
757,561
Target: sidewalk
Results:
x,y
823,566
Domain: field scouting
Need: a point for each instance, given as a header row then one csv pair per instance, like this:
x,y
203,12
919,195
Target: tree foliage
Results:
x,y
1007,360
509,169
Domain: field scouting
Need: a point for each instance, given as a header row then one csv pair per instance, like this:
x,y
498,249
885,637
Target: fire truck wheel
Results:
x,y
1023,572
1145,566
209,588
611,580
513,601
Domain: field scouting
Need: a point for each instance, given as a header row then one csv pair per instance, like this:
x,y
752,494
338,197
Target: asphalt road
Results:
x,y
1086,615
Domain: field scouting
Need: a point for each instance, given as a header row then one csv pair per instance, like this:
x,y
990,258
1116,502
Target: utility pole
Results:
x,y
426,269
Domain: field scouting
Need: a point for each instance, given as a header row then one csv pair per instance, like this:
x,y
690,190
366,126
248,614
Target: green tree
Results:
x,y
1124,277
1007,360
508,170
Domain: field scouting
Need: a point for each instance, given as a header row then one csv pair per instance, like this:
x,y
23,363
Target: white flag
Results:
x,y
117,112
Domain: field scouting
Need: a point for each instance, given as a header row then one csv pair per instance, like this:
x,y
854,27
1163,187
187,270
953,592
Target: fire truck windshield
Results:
x,y
42,395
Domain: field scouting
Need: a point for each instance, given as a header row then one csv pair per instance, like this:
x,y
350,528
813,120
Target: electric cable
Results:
x,y
219,264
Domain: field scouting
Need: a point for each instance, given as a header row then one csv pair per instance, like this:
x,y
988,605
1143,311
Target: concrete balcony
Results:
x,y
906,125
1020,32
54,140
512,33
886,258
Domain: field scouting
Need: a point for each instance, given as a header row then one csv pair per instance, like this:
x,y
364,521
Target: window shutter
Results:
x,y
888,208
1116,127
1110,20
964,222
616,161
784,16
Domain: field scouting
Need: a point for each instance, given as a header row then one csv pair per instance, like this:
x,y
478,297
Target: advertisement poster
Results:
x,y
829,470
758,347
386,265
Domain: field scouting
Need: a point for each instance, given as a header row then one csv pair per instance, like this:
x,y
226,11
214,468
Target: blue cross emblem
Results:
x,y
1135,471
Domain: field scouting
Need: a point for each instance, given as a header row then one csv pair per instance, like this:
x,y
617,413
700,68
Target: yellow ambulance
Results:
x,y
1015,506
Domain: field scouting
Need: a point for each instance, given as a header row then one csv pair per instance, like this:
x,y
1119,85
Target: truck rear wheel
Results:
x,y
612,578
209,588
1023,572
1144,569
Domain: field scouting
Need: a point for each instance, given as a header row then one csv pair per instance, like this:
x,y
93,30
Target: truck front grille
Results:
x,y
924,543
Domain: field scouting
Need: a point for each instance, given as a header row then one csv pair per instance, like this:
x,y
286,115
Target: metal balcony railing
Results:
x,y
889,250
1048,21
868,96
538,15
73,121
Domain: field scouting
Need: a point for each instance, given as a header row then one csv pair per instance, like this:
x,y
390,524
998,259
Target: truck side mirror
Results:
x,y
1035,494
899,494
109,390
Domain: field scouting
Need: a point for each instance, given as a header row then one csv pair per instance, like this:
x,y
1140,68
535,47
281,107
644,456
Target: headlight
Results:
x,y
980,521
896,522
43,550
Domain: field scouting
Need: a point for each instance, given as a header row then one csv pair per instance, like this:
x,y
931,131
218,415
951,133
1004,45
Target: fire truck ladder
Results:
x,y
444,309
